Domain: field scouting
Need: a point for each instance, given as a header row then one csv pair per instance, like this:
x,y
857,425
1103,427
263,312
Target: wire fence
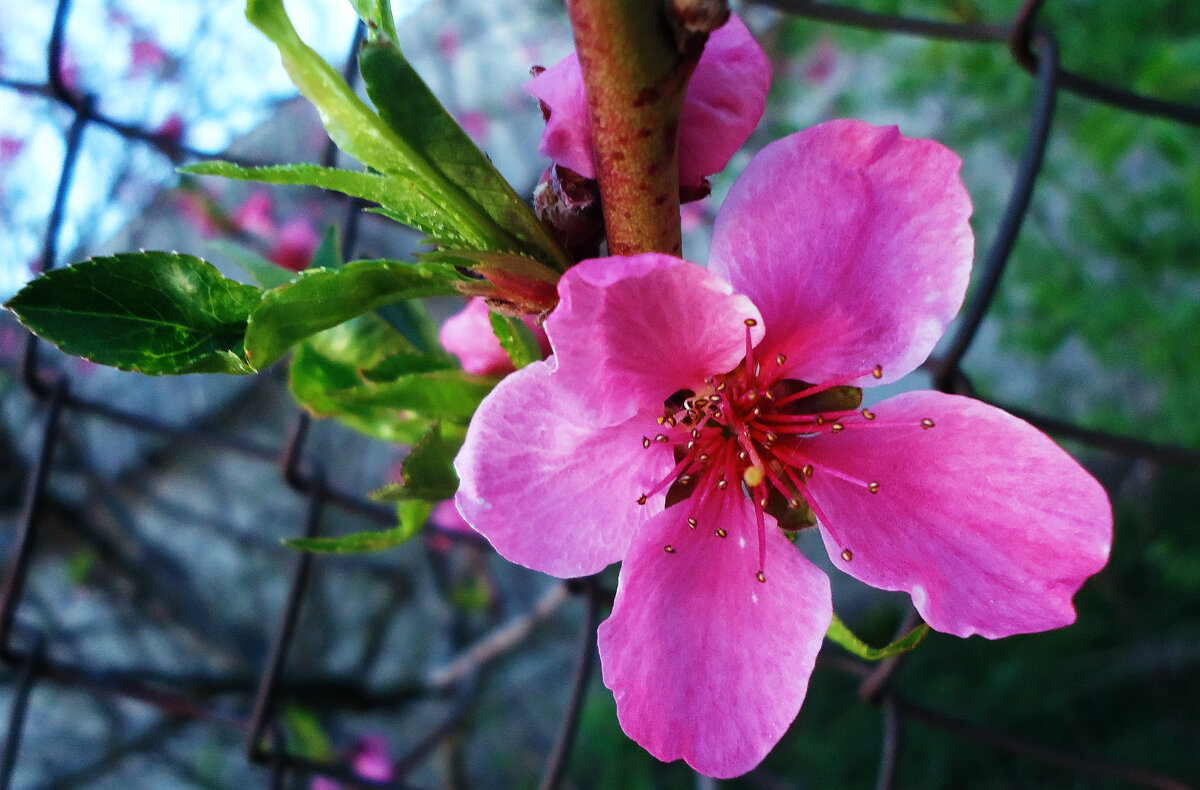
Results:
x,y
255,713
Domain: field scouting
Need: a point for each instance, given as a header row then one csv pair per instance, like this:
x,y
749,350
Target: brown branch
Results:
x,y
635,70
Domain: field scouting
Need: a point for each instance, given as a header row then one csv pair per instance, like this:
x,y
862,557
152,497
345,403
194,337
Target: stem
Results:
x,y
635,78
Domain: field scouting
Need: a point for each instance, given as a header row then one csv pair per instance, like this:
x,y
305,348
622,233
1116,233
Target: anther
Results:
x,y
762,503
762,577
926,423
692,523
646,441
669,549
722,484
820,420
877,372
720,387
702,457
714,398
771,436
661,438
873,487
742,456
685,480
793,504
768,395
807,470
695,433
847,555
721,533
780,359
662,420
836,427
642,499
700,403
671,422
868,414
750,322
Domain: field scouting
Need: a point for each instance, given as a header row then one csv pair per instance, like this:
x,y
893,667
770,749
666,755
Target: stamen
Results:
x,y
847,555
873,487
868,414
646,442
926,423
669,549
762,577
828,385
721,533
780,359
692,522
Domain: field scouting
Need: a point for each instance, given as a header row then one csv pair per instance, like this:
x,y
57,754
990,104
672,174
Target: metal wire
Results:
x,y
1033,48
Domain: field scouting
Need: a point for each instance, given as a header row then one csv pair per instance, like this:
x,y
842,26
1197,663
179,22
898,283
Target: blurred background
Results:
x,y
147,605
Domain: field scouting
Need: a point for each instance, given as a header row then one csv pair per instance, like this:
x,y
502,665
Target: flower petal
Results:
x,y
725,100
567,138
853,241
982,518
706,662
549,489
629,331
468,335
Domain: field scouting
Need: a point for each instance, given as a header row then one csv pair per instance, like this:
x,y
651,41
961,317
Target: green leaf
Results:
x,y
328,254
438,395
377,15
322,298
412,515
151,312
516,338
397,196
313,376
261,270
840,635
364,135
410,109
427,471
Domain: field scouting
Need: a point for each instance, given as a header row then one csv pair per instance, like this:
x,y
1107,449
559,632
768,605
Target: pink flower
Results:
x,y
294,245
468,335
725,99
255,214
371,761
673,427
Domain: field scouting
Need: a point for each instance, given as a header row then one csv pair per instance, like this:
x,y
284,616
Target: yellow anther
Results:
x,y
847,555
873,487
721,533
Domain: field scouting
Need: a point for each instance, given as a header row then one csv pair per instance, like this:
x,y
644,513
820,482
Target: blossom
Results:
x,y
725,99
468,335
371,761
688,415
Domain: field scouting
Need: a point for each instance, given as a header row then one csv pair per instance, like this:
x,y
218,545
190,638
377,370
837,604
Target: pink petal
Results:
x,y
706,662
853,241
373,760
254,215
986,522
468,335
445,515
294,246
630,331
725,100
549,488
567,138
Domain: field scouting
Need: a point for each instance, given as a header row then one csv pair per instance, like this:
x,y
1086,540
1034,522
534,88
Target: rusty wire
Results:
x,y
1033,49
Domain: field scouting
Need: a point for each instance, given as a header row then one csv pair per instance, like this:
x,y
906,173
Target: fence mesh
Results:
x,y
259,699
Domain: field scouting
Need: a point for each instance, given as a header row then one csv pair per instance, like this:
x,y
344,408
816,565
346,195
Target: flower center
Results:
x,y
743,433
